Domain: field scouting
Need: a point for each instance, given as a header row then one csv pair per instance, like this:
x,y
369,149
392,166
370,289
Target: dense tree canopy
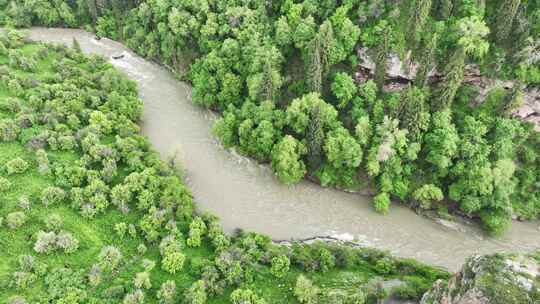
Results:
x,y
286,77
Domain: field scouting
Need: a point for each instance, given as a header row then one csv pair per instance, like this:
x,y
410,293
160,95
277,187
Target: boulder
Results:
x,y
491,279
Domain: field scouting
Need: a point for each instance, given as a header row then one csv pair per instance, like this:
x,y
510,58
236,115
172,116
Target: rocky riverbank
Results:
x,y
491,279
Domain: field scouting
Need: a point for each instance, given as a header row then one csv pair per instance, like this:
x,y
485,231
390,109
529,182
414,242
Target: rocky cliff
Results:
x,y
399,77
492,279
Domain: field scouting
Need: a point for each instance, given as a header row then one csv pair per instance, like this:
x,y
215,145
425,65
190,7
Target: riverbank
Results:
x,y
246,195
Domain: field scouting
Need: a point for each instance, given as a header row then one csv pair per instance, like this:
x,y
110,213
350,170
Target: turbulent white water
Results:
x,y
246,195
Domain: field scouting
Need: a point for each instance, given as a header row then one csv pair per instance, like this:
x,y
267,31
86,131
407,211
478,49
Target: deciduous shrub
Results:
x,y
48,242
27,262
53,221
148,265
16,166
167,292
196,293
15,220
24,203
142,280
120,229
173,260
305,291
428,194
246,296
197,228
66,242
52,195
23,279
5,184
109,258
385,266
16,300
43,162
136,297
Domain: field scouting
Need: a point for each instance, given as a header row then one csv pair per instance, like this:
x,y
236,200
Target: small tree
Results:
x,y
173,260
327,260
376,290
286,160
506,14
381,202
344,88
427,194
280,266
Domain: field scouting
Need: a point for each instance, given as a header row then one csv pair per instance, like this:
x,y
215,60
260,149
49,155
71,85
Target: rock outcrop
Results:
x,y
400,75
491,279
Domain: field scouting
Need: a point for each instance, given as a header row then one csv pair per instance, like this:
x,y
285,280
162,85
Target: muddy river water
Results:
x,y
246,195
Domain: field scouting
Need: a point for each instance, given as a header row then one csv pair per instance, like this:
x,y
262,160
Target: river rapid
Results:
x,y
245,194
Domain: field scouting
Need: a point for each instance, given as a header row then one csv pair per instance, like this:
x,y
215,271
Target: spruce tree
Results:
x,y
326,42
513,100
382,52
268,86
427,59
504,20
315,139
315,67
418,14
452,79
443,9
414,114
470,33
92,9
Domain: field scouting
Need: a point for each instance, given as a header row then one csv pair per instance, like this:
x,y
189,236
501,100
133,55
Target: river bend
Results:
x,y
245,194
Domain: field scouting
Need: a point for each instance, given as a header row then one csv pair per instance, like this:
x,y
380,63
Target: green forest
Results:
x,y
89,213
286,77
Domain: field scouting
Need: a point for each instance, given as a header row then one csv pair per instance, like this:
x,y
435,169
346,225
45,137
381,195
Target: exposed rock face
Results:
x,y
530,110
492,279
399,76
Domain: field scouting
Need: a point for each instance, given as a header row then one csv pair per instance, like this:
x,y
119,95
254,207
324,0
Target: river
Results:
x,y
245,194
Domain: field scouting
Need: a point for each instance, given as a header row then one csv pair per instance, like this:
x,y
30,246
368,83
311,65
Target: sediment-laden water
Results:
x,y
246,195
